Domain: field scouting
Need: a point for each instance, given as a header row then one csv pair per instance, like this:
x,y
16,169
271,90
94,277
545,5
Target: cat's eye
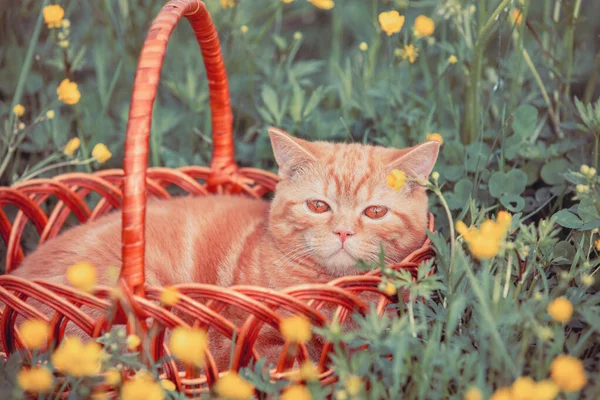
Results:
x,y
375,212
317,206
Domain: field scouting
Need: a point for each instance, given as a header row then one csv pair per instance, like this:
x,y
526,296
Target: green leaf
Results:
x,y
568,219
552,172
525,120
512,202
587,211
512,183
269,97
462,192
297,103
314,100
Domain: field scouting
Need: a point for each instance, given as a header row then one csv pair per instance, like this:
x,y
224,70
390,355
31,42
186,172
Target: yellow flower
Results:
x,y
64,44
517,16
71,147
568,373
435,137
390,289
341,395
546,390
82,276
68,92
142,387
410,53
232,386
502,394
101,153
584,169
461,228
298,35
424,26
53,15
167,385
396,179
560,310
483,246
112,377
19,110
363,46
524,388
227,3
66,23
188,345
587,280
133,341
504,219
308,371
353,385
597,244
50,114
473,394
244,29
169,296
296,392
452,59
323,4
35,380
296,329
287,1
34,333
78,359
391,22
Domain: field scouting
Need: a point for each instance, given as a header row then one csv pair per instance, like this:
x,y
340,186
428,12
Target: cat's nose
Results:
x,y
343,234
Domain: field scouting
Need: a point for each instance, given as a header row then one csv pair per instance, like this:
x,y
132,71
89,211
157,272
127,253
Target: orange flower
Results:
x,y
323,4
396,179
568,373
34,333
561,310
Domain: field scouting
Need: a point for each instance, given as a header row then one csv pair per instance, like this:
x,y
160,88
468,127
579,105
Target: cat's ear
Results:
x,y
419,161
290,153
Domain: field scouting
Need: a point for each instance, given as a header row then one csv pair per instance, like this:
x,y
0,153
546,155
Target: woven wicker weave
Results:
x,y
127,189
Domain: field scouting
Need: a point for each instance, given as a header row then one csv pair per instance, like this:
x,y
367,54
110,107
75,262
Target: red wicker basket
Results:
x,y
127,189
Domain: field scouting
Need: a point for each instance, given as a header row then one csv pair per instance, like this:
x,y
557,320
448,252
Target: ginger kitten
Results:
x,y
331,208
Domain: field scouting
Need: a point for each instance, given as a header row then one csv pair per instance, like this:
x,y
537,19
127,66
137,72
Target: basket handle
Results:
x,y
145,86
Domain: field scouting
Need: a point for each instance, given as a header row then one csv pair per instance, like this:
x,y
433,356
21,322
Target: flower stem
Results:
x,y
473,101
54,166
508,270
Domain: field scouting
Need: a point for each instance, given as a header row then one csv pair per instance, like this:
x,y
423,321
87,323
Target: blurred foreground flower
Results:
x,y
82,276
189,345
568,373
296,329
296,392
75,358
391,22
53,15
34,333
232,386
142,387
486,241
35,380
561,310
227,3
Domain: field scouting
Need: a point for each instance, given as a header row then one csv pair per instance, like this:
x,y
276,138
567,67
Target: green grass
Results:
x,y
519,114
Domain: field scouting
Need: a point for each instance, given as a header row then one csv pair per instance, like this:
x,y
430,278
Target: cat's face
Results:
x,y
333,207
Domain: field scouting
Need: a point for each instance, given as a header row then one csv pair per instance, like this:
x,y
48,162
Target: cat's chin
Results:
x,y
341,263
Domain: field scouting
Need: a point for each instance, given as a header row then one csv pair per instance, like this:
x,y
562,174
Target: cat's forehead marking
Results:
x,y
350,173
